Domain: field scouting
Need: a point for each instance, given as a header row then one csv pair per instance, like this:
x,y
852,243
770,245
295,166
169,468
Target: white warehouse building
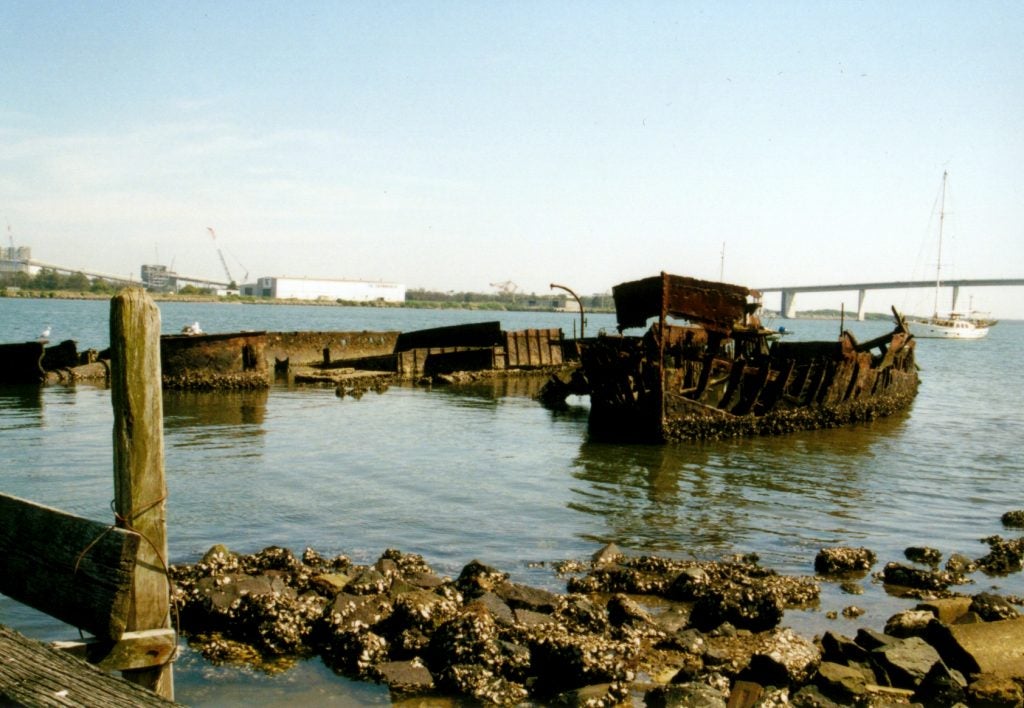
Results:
x,y
315,289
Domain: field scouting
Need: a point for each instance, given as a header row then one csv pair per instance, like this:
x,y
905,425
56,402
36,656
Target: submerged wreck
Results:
x,y
724,375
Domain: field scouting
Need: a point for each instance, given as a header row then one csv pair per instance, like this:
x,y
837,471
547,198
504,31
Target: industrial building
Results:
x,y
333,290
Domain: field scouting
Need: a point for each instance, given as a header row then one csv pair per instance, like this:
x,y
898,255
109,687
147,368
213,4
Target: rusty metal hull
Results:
x,y
215,361
715,380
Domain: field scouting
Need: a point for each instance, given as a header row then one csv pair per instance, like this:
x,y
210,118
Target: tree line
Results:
x,y
47,280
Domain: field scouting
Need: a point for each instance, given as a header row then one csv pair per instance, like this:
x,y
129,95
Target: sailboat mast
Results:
x,y
938,261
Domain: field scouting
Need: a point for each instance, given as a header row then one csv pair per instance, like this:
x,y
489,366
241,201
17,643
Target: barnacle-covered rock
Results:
x,y
1004,557
471,637
484,685
898,574
1014,518
923,554
565,660
843,559
784,659
477,578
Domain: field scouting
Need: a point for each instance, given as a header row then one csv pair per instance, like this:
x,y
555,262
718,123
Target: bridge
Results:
x,y
788,306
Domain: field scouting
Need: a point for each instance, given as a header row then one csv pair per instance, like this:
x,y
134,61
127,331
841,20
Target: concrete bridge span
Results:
x,y
789,293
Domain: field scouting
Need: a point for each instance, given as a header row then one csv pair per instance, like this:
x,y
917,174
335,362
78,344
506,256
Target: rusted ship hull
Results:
x,y
723,376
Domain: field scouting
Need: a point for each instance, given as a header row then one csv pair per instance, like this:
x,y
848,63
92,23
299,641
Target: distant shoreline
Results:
x,y
414,305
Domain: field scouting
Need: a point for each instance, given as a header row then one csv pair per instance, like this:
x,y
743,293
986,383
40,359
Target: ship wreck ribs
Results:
x,y
723,374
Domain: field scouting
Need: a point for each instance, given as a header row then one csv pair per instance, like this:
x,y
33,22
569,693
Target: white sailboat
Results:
x,y
953,325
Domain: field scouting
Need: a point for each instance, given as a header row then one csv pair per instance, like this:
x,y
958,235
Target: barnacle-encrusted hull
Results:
x,y
723,375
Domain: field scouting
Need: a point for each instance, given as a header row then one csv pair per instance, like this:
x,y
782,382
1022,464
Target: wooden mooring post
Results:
x,y
108,579
140,490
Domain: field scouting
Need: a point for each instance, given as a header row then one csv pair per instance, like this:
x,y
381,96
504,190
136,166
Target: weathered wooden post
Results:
x,y
140,490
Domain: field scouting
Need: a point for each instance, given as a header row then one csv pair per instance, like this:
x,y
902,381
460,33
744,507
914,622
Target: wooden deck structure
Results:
x,y
109,579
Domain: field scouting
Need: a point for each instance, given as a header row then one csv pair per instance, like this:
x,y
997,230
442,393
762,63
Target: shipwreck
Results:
x,y
721,374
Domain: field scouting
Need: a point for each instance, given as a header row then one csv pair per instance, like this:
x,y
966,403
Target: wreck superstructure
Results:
x,y
724,375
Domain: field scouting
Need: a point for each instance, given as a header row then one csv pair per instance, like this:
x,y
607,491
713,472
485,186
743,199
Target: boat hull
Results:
x,y
947,329
711,381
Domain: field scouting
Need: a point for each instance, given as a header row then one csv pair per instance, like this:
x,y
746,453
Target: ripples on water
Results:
x,y
457,474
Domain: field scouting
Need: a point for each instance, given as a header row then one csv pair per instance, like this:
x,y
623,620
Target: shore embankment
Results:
x,y
640,629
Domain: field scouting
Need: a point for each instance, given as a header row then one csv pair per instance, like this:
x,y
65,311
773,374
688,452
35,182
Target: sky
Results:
x,y
456,145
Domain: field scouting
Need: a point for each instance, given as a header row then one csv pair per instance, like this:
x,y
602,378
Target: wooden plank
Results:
x,y
134,650
76,570
140,490
33,674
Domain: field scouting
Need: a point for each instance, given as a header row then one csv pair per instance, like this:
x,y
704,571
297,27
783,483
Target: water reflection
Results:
x,y
786,494
183,409
20,407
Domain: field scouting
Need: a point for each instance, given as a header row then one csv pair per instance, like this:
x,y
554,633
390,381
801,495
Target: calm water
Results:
x,y
489,474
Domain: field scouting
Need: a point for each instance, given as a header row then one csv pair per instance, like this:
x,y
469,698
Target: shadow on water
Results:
x,y
789,495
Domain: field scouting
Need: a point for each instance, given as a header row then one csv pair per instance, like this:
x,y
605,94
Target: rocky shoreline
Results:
x,y
628,630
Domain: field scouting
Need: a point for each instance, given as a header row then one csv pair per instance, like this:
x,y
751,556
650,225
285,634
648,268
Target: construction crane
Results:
x,y
223,262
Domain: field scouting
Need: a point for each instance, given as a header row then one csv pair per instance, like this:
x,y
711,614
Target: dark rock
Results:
x,y
746,693
923,554
754,608
842,650
528,618
983,647
567,660
959,564
355,612
471,637
623,611
910,623
1004,557
992,690
870,640
497,607
840,682
1014,519
685,695
906,662
946,610
519,596
608,554
477,578
810,697
690,584
786,660
991,607
484,685
941,686
840,559
423,609
368,581
404,677
897,574
602,694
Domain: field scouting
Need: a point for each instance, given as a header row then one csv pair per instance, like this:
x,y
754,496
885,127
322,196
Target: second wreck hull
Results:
x,y
715,380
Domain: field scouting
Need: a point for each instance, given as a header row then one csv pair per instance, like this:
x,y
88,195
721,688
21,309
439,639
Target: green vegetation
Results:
x,y
49,281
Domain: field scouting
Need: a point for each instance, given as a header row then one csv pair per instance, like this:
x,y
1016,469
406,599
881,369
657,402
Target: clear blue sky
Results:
x,y
451,145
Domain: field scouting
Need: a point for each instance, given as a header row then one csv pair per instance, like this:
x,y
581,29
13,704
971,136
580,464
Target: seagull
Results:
x,y
193,328
45,334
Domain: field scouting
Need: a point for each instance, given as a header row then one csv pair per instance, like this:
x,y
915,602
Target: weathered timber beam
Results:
x,y
134,650
74,569
34,674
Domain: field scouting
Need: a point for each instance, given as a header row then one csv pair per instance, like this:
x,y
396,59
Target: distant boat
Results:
x,y
954,325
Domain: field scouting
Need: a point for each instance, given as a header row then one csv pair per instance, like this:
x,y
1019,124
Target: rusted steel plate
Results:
x,y
715,305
